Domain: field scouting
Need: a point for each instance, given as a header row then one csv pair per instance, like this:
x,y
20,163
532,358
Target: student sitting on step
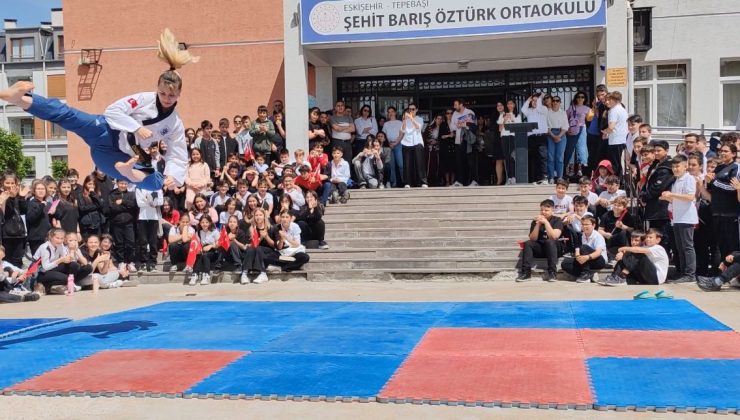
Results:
x,y
310,221
288,254
544,235
616,225
584,190
208,236
646,264
572,223
607,197
563,202
589,256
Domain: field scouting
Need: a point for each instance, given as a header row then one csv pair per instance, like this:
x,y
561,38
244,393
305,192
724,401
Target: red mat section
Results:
x,y
529,366
662,344
501,341
158,371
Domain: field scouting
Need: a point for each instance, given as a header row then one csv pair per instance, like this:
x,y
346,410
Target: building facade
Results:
x,y
673,60
35,54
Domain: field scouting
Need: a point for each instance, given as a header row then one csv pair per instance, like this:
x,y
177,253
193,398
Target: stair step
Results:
x,y
447,232
429,242
450,252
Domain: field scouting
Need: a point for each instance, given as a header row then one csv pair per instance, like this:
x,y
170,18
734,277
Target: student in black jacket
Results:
x,y
90,207
14,205
660,179
37,216
65,212
310,221
123,212
103,185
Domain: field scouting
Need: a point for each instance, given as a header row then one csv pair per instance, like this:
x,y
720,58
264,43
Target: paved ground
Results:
x,y
723,306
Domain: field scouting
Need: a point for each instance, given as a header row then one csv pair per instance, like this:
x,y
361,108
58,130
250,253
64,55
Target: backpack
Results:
x,y
14,226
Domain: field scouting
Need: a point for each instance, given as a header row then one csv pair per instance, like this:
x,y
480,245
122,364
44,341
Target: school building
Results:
x,y
674,61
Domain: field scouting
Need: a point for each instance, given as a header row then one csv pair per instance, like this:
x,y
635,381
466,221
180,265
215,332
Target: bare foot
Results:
x,y
15,93
127,169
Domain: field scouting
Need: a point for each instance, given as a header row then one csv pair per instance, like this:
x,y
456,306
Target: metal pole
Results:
x,y
630,58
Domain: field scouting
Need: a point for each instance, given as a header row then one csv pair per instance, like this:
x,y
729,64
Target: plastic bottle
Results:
x,y
70,285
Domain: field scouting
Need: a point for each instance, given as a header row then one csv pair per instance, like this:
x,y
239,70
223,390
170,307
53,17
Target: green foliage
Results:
x,y
59,169
11,154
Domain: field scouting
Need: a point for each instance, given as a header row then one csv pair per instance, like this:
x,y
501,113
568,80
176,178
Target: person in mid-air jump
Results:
x,y
119,138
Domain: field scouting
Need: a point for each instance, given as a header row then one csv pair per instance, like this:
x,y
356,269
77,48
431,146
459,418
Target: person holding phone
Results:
x,y
412,148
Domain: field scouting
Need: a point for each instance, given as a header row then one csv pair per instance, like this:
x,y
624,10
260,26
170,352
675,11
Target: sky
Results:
x,y
28,12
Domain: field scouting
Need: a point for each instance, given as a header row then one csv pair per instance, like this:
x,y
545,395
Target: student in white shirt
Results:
x,y
149,203
682,197
589,256
394,134
536,112
339,169
617,131
584,190
606,198
557,123
642,265
56,266
412,144
563,202
365,125
511,115
572,222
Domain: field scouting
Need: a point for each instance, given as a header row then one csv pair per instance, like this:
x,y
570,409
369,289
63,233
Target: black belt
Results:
x,y
145,160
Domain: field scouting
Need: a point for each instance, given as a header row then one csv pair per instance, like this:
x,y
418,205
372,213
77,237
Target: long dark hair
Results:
x,y
71,197
85,195
168,201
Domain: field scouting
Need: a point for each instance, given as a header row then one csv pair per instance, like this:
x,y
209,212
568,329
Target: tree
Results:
x,y
59,169
11,154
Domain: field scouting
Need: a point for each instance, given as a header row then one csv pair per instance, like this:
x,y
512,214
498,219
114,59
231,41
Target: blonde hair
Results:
x,y
170,53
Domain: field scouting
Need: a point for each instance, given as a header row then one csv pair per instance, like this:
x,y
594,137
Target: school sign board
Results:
x,y
341,21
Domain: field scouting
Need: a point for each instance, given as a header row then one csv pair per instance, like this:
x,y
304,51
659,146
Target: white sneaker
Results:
x,y
205,279
116,284
407,186
193,279
273,269
511,181
188,270
244,279
78,288
132,268
121,266
381,186
262,278
473,184
424,186
457,184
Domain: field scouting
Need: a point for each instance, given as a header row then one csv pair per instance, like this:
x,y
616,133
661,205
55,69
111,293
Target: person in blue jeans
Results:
x,y
557,123
118,138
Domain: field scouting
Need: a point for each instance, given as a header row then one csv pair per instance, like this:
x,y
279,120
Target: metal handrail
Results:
x,y
701,129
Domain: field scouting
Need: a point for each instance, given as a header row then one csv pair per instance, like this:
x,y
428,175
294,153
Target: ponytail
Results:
x,y
170,53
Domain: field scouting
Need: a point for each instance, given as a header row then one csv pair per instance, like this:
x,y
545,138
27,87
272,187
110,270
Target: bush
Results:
x,y
59,169
11,154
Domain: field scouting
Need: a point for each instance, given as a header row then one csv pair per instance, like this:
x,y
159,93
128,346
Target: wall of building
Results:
x,y
240,45
699,33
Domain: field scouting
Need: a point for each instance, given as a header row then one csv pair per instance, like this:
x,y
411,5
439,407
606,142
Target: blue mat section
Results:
x,y
13,326
666,382
674,314
302,375
509,315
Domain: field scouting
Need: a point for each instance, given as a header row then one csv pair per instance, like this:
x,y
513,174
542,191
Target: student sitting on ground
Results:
x,y
260,244
11,283
607,197
544,233
208,236
72,248
238,242
730,268
572,223
616,225
640,264
310,221
179,240
563,202
289,254
56,266
589,256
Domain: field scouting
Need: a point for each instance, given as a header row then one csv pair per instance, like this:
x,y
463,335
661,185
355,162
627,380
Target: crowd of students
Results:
x,y
681,211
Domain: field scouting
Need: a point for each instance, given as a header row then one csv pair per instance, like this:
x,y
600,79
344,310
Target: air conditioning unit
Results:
x,y
86,61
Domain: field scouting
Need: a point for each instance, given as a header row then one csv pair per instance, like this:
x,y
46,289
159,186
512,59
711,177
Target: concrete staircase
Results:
x,y
429,234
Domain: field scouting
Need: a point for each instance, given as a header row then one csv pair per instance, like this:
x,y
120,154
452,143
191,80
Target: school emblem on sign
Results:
x,y
324,18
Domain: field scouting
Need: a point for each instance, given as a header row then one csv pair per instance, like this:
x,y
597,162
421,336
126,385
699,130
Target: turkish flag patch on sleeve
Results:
x,y
133,102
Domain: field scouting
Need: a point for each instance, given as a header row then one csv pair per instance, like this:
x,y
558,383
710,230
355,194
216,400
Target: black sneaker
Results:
x,y
551,276
709,284
585,277
31,297
524,276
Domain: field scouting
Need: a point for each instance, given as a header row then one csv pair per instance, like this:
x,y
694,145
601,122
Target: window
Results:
x,y
661,94
13,79
58,132
60,46
26,128
22,49
32,170
729,72
59,157
643,32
